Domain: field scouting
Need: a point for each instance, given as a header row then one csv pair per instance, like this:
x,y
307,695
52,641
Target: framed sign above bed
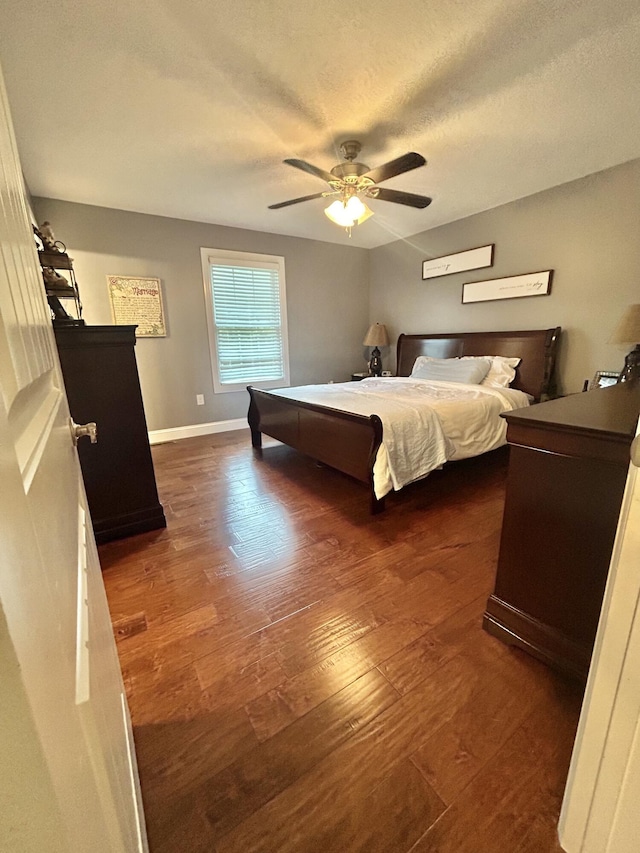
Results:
x,y
471,259
512,287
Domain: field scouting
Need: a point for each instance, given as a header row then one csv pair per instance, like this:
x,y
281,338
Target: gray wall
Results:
x,y
327,301
588,231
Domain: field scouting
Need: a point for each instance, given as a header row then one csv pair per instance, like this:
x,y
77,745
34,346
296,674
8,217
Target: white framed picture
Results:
x,y
470,259
137,302
511,287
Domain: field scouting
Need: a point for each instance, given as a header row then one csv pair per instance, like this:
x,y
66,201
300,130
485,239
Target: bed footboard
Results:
x,y
344,441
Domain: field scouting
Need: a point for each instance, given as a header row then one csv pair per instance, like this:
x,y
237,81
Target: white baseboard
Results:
x,y
160,436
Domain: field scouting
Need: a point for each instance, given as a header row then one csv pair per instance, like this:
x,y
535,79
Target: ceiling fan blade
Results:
x,y
294,201
396,167
312,170
399,197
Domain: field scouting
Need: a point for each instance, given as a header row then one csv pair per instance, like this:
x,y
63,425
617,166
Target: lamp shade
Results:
x,y
348,213
628,329
377,336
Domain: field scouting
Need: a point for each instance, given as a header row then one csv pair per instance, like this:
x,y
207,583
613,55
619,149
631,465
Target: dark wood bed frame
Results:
x,y
350,442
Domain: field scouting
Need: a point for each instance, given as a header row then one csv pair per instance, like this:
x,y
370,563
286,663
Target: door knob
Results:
x,y
78,430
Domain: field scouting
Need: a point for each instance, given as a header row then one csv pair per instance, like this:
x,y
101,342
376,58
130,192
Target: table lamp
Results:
x,y
628,332
376,337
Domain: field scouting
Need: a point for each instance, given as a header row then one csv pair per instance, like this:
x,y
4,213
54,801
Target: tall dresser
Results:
x,y
567,471
101,378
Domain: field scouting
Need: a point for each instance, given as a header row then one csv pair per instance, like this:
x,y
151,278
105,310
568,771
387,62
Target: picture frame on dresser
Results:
x,y
604,379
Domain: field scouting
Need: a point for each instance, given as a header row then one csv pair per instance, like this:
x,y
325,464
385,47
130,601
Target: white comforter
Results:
x,y
425,423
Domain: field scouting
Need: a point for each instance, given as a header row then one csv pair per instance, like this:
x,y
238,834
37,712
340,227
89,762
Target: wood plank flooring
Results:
x,y
305,677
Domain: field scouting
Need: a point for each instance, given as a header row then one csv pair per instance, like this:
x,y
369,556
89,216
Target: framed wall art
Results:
x,y
471,259
511,287
137,301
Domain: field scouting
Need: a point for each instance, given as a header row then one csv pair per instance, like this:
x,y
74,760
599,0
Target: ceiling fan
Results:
x,y
349,181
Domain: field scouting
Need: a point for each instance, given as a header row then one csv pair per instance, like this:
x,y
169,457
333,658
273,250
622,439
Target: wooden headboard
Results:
x,y
537,349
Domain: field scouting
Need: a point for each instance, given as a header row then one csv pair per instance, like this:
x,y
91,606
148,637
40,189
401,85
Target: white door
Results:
x,y
69,779
601,808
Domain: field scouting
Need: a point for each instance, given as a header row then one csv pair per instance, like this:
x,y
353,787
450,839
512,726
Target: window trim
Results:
x,y
222,255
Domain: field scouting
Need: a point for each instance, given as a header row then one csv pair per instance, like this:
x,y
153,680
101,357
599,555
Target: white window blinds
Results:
x,y
248,319
246,308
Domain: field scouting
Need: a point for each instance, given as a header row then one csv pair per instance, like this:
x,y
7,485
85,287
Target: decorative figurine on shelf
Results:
x,y
54,281
48,239
47,235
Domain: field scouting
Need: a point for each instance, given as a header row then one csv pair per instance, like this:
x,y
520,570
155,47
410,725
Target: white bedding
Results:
x,y
425,423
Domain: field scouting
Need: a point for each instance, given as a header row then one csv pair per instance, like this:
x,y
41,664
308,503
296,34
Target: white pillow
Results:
x,y
471,371
502,371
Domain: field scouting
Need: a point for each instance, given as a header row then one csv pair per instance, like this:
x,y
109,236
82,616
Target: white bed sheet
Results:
x,y
425,423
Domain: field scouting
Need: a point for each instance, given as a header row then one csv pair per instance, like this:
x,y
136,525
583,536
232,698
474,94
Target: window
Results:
x,y
247,318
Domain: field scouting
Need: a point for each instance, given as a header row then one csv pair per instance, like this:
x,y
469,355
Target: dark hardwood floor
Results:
x,y
305,677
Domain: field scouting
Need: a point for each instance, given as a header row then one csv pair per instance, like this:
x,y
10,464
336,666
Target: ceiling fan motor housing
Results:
x,y
349,170
350,149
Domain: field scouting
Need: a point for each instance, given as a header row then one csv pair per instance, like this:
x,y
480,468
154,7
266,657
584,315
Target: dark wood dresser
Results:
x,y
567,471
101,378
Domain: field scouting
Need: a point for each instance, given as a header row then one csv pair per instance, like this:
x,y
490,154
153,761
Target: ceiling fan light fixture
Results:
x,y
348,213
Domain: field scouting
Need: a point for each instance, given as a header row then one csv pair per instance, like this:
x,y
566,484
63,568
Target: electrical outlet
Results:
x,y
200,399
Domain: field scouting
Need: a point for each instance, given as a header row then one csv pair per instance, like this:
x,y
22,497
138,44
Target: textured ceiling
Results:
x,y
187,108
